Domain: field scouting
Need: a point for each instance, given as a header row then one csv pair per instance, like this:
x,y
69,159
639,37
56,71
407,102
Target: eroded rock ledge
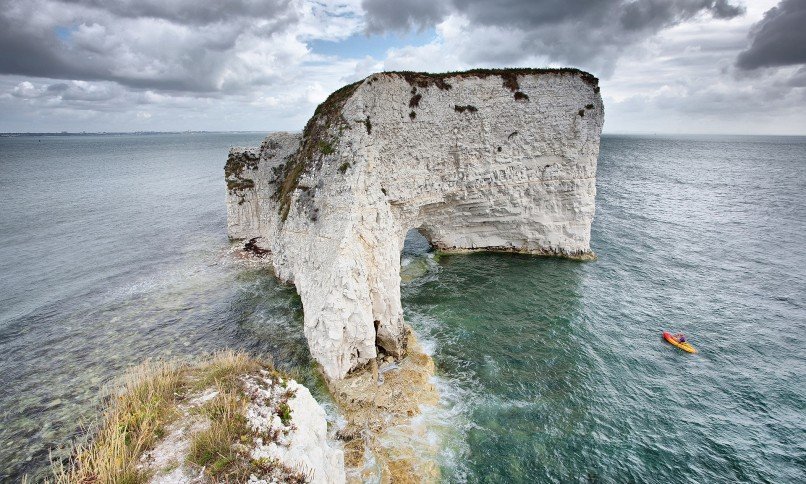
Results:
x,y
477,160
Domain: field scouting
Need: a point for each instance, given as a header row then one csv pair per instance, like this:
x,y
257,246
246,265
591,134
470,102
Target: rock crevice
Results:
x,y
483,160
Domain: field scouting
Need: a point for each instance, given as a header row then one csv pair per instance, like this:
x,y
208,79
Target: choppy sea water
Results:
x,y
113,250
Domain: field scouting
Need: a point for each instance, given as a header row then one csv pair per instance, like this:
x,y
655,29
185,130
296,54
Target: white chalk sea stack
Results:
x,y
480,160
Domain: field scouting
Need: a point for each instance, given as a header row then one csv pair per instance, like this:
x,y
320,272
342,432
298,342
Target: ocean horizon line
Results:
x,y
121,133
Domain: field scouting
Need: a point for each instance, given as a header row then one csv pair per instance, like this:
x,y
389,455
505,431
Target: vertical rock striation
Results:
x,y
479,160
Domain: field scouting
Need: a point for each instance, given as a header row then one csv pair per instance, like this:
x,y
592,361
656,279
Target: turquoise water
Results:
x,y
558,367
113,249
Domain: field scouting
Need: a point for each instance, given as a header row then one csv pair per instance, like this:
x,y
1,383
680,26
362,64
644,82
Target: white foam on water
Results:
x,y
442,428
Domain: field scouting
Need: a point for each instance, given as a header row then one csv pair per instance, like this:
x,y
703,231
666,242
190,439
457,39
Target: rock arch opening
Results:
x,y
416,242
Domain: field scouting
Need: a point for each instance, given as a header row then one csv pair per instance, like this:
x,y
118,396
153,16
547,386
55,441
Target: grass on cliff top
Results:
x,y
425,79
316,134
212,449
136,418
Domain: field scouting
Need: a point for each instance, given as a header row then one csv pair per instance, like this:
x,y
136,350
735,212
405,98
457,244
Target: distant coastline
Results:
x,y
264,131
120,133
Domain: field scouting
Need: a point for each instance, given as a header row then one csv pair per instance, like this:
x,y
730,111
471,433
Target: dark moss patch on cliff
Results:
x,y
520,96
414,102
325,148
468,108
412,115
324,126
423,79
239,185
237,162
510,81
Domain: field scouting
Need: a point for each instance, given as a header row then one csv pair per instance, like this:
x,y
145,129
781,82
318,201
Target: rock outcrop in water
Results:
x,y
499,160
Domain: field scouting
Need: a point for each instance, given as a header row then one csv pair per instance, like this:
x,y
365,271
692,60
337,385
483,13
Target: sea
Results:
x,y
113,250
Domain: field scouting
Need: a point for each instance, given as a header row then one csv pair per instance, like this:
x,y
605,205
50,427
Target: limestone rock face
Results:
x,y
303,443
480,160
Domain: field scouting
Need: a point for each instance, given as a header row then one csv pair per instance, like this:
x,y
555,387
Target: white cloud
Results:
x,y
27,90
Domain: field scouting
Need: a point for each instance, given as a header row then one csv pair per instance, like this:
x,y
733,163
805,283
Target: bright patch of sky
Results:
x,y
63,33
361,45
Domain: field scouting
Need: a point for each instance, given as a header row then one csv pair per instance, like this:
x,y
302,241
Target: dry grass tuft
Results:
x,y
224,369
132,422
213,448
135,419
223,450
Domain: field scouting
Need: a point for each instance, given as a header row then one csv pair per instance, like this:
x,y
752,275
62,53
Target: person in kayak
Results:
x,y
681,338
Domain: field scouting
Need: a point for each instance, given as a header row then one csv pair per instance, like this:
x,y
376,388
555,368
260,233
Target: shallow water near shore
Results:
x,y
113,249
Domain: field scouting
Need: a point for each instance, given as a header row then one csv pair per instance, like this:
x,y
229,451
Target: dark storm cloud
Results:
x,y
193,12
402,16
779,39
798,79
654,15
181,45
565,30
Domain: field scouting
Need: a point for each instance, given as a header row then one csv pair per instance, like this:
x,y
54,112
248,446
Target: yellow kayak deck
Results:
x,y
683,346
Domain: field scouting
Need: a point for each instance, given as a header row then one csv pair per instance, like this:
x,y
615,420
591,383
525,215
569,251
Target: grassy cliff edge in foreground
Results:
x,y
225,419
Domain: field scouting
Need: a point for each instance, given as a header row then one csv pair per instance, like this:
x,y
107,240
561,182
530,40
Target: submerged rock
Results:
x,y
381,440
499,160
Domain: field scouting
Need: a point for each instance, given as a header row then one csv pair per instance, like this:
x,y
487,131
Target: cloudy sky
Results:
x,y
666,66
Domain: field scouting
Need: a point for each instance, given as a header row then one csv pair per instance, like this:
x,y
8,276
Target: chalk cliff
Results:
x,y
478,160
